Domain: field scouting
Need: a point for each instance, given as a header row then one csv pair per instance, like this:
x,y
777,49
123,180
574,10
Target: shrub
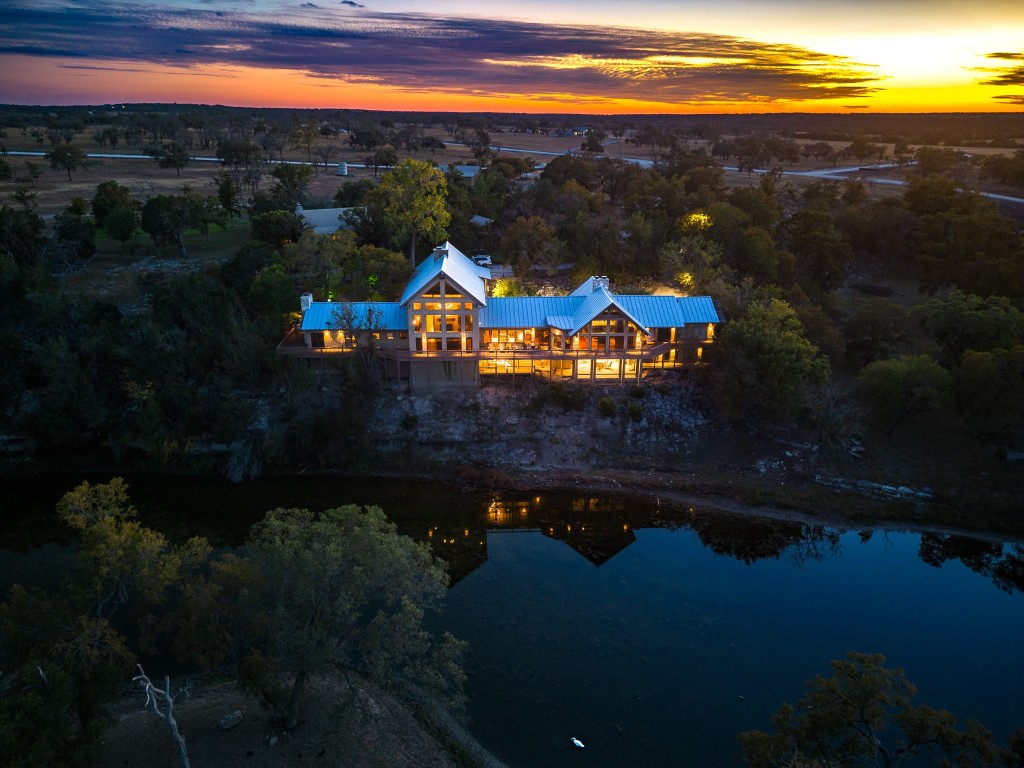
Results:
x,y
568,397
635,411
606,406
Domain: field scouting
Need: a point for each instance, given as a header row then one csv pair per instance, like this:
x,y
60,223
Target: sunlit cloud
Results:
x,y
459,56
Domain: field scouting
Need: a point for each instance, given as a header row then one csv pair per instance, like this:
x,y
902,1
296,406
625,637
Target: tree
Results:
x,y
304,136
819,248
74,236
272,291
351,193
122,223
68,656
165,218
277,227
65,157
110,195
344,592
292,181
959,322
989,390
530,242
841,720
765,361
410,201
592,142
479,144
174,155
325,152
227,193
432,143
239,152
905,386
875,331
383,157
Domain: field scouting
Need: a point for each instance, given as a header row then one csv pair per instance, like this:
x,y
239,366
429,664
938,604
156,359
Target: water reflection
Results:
x,y
456,522
599,528
1002,563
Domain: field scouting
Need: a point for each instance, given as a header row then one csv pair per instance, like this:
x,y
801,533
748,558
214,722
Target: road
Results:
x,y
837,174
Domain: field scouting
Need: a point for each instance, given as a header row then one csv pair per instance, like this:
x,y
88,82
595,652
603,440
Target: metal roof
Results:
x,y
324,220
568,313
335,315
571,313
599,301
670,311
448,261
526,311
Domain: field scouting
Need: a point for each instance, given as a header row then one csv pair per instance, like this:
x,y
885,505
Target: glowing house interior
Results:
x,y
447,332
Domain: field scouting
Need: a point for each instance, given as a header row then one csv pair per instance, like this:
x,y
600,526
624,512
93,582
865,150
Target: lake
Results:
x,y
654,633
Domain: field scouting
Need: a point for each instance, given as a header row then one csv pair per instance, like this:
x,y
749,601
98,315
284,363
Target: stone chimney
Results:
x,y
305,301
602,282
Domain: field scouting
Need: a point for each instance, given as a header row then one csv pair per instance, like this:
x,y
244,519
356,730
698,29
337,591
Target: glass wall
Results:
x,y
442,319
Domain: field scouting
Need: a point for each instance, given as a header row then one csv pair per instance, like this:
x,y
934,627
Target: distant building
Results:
x,y
323,221
446,332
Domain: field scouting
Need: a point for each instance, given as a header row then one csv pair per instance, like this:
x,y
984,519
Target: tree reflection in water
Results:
x,y
1002,563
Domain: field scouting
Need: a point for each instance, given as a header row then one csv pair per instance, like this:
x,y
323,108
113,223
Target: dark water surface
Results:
x,y
654,634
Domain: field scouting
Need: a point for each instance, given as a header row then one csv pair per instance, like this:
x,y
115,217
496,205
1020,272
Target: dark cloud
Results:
x,y
1009,74
485,57
352,3
1011,98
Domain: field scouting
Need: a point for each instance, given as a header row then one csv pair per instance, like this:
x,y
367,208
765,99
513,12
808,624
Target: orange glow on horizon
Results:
x,y
60,81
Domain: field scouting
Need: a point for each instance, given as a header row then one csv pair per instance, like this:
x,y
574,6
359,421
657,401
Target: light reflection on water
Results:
x,y
653,633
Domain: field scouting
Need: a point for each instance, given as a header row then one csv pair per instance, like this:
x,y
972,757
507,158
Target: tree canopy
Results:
x,y
764,361
842,720
410,200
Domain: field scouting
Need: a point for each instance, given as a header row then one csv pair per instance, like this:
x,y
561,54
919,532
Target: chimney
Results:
x,y
440,252
305,301
601,282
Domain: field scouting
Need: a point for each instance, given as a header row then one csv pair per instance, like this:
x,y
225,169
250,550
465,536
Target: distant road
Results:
x,y
820,173
197,159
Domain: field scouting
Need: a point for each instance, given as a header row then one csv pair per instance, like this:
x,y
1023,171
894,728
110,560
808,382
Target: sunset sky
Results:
x,y
587,56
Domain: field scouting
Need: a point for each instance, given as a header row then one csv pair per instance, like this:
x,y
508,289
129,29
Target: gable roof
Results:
x,y
599,301
448,261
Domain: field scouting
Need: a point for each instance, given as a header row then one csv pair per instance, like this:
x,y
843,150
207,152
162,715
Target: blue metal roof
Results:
x,y
570,313
525,311
595,304
670,311
336,315
449,261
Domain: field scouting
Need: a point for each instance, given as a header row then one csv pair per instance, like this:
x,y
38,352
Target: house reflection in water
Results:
x,y
600,528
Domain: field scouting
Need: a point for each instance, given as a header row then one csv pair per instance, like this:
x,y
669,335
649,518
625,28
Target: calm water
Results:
x,y
653,634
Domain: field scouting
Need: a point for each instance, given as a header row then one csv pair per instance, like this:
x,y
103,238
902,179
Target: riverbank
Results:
x,y
344,726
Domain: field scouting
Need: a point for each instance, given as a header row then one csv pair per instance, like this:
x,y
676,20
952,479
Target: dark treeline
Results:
x,y
948,129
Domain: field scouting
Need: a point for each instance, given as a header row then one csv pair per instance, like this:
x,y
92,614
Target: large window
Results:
x,y
445,321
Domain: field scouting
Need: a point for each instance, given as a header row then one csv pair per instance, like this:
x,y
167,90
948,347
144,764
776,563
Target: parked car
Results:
x,y
482,260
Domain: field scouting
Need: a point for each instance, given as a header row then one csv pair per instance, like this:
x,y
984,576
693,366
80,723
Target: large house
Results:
x,y
447,331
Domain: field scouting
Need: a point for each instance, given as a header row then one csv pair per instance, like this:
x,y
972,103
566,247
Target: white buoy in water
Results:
x,y
577,743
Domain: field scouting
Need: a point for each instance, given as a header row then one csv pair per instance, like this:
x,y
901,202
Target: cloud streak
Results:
x,y
420,53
